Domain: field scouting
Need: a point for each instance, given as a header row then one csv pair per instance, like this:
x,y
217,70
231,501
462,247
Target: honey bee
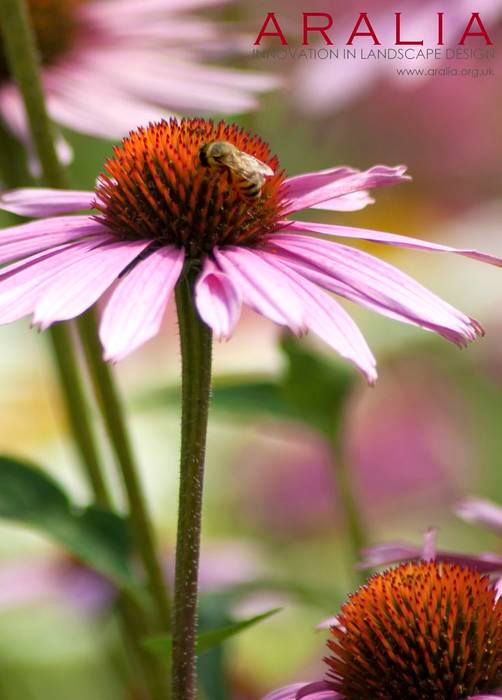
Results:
x,y
246,172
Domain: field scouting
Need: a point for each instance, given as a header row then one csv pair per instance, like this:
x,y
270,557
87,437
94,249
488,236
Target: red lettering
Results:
x,y
440,28
399,41
278,31
322,30
363,17
482,31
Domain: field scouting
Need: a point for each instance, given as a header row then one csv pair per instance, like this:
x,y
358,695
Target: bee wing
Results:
x,y
249,166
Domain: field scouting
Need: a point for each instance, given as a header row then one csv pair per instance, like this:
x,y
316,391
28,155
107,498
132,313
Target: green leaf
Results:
x,y
242,396
208,639
314,387
98,537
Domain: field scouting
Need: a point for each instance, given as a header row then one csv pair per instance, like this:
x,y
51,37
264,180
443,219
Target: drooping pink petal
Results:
x,y
265,289
74,289
38,201
218,300
312,190
355,201
136,307
319,690
85,101
209,89
326,318
481,512
299,185
392,239
22,283
12,110
26,239
374,283
394,552
286,693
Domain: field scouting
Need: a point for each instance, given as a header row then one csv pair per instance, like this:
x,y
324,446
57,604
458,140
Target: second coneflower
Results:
x,y
160,210
426,631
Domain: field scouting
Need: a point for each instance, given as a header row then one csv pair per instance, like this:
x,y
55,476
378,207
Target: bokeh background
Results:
x,y
427,434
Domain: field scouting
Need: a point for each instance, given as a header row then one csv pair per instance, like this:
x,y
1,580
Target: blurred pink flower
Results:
x,y
160,208
410,450
283,484
60,579
409,453
111,64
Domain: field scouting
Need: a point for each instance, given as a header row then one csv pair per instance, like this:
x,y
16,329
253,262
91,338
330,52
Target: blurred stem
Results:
x,y
21,52
196,350
353,523
22,56
111,409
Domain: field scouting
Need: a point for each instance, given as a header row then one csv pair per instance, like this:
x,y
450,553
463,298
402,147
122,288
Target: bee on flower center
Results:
x,y
246,173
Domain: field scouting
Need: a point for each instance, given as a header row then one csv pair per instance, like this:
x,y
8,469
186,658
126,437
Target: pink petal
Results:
x,y
12,109
218,301
429,549
25,239
313,190
355,201
38,201
74,289
375,284
327,319
394,552
318,691
286,693
481,512
135,310
22,284
265,289
390,239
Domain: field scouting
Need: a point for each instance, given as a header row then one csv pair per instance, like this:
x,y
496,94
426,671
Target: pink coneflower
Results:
x,y
159,211
425,631
110,64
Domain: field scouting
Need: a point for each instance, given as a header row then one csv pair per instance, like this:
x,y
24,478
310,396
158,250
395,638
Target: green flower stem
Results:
x,y
196,346
21,51
113,417
353,524
73,392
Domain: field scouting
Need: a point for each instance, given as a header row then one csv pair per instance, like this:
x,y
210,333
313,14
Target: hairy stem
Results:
x,y
196,347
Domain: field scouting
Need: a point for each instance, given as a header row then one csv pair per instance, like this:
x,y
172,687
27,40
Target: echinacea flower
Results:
x,y
427,631
159,212
108,65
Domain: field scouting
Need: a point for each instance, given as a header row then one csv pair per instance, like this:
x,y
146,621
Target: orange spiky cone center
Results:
x,y
156,187
54,24
426,631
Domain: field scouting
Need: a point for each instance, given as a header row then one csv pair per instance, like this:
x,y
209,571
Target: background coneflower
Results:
x,y
427,631
110,64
